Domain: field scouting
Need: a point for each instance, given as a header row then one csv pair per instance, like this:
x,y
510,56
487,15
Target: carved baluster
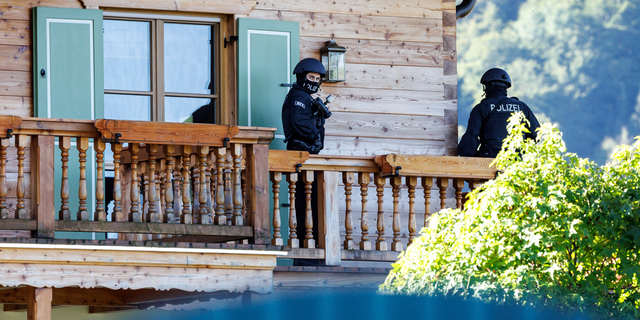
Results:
x,y
236,152
443,183
228,199
65,145
213,181
243,185
21,144
347,179
427,183
221,218
99,147
82,145
144,182
117,186
363,181
307,178
169,216
210,183
152,215
458,184
276,177
381,244
204,216
211,165
411,183
195,186
186,217
292,179
395,183
134,212
4,144
162,188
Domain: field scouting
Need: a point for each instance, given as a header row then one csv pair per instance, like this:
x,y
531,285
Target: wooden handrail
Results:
x,y
8,124
57,127
341,164
287,161
165,132
436,166
254,135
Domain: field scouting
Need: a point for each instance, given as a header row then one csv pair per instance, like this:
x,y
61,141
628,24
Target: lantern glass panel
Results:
x,y
325,63
336,66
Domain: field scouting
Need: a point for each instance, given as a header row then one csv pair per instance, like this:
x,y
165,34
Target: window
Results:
x,y
161,68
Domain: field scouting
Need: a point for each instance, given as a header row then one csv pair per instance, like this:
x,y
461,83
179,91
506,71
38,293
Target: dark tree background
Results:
x,y
575,63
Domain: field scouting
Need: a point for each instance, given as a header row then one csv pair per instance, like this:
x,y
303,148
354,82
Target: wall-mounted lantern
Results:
x,y
333,61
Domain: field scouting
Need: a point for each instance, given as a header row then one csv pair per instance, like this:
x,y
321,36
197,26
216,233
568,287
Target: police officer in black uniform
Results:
x,y
304,131
487,126
303,125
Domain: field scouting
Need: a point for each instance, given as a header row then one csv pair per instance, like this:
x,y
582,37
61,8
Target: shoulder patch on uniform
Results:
x,y
300,104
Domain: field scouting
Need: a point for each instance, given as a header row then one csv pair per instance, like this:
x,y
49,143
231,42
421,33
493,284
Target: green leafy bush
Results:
x,y
551,230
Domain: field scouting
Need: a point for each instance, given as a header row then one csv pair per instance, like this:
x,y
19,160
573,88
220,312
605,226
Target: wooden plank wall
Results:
x,y
400,93
399,96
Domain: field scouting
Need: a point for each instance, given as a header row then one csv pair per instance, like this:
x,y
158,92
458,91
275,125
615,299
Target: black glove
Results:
x,y
316,147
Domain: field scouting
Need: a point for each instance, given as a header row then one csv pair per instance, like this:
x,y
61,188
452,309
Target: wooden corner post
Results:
x,y
329,217
42,168
257,175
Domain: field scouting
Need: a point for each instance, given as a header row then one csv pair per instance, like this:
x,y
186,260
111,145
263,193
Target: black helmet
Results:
x,y
309,65
496,74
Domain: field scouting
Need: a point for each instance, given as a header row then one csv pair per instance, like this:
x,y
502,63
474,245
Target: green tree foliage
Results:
x,y
575,61
552,230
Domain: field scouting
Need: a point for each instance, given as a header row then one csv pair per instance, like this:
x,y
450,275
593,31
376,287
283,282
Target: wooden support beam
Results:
x,y
42,168
39,303
369,255
18,224
14,307
106,300
206,239
242,232
102,310
257,175
305,253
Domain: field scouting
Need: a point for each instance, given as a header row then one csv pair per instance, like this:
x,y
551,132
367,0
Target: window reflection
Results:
x,y
194,110
127,55
127,107
188,58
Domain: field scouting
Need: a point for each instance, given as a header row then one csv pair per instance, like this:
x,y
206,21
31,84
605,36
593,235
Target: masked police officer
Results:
x,y
487,126
303,126
304,130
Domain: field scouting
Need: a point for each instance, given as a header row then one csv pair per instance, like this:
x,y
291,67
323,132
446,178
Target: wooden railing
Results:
x,y
180,182
388,188
213,183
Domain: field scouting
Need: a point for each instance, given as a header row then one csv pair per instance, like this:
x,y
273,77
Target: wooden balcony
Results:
x,y
201,199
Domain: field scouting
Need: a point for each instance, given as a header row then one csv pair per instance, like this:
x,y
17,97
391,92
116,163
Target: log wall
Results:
x,y
400,92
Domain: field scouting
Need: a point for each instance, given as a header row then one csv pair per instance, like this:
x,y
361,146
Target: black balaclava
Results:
x,y
495,88
309,87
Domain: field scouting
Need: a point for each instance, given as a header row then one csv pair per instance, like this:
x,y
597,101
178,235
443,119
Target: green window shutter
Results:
x,y
69,83
267,53
68,63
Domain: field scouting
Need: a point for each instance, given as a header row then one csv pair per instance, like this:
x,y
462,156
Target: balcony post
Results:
x,y
257,162
39,303
329,217
43,208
